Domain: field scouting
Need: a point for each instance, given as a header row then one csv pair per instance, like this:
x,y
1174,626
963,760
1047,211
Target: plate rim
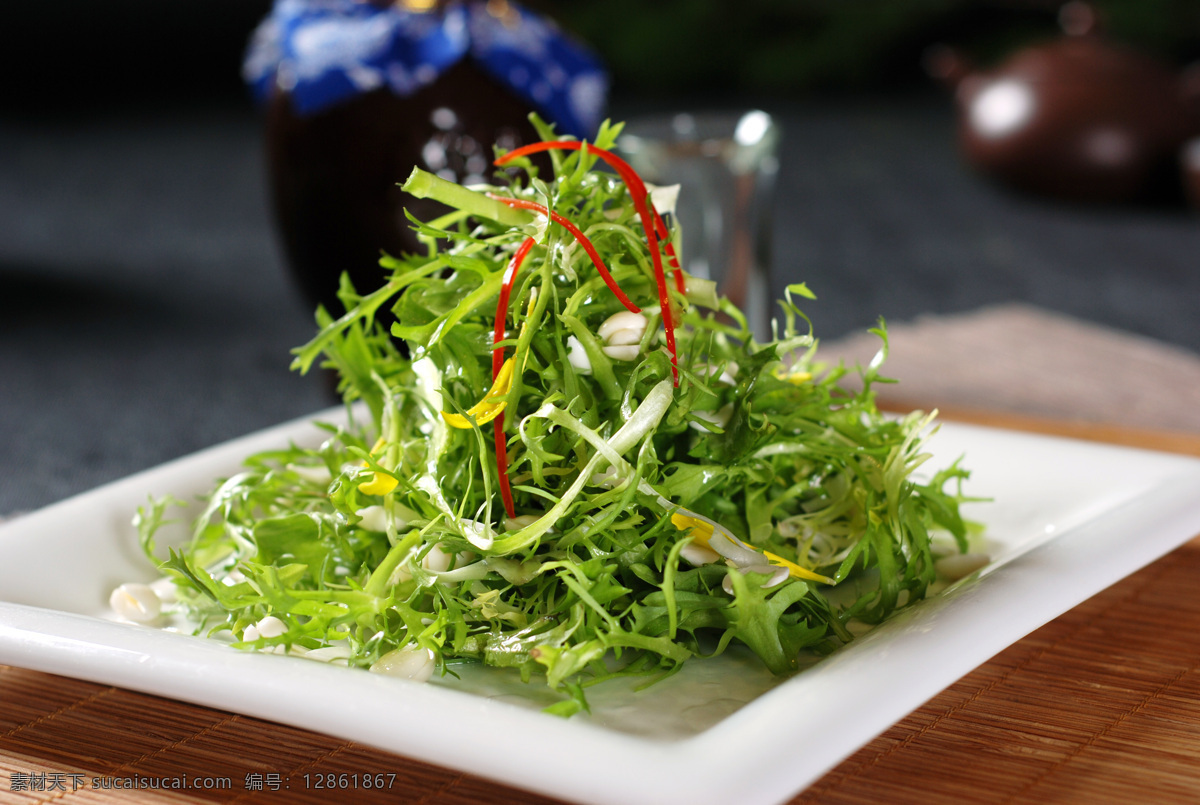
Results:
x,y
51,641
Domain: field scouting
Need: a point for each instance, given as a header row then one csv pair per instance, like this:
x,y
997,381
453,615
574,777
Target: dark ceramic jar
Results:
x,y
334,175
337,152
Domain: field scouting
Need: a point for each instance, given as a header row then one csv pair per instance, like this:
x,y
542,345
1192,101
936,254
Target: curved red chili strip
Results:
x,y
581,238
510,276
680,282
628,175
502,464
664,304
650,223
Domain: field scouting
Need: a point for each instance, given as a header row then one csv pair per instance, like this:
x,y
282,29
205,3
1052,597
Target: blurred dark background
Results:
x,y
84,56
145,310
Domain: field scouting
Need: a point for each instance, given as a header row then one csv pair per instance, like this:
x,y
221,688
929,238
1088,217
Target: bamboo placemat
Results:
x,y
1100,705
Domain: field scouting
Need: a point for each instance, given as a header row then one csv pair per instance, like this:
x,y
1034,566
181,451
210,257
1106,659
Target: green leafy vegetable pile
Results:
x,y
653,519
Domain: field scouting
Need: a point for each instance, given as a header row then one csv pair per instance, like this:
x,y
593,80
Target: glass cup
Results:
x,y
725,164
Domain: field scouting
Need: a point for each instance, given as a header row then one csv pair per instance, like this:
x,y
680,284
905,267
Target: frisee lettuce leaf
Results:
x,y
592,579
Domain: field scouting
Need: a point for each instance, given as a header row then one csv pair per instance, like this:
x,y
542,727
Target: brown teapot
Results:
x,y
1081,118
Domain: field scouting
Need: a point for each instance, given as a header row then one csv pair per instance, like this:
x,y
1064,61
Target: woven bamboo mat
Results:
x,y
1100,705
1030,361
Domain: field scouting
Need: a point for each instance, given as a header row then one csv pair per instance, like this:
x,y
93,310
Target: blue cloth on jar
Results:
x,y
326,51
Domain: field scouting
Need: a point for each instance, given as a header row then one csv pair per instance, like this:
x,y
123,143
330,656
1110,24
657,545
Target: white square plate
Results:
x,y
1067,520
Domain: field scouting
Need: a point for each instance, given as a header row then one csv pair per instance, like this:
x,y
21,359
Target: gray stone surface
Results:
x,y
879,216
144,312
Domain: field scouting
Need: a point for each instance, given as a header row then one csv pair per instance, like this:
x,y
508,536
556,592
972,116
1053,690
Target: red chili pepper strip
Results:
x,y
661,228
680,282
639,195
582,240
510,276
502,465
637,187
664,304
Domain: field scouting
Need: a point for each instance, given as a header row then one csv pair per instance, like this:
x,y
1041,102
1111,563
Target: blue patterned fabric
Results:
x,y
326,51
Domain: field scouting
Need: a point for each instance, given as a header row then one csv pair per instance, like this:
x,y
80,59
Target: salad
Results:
x,y
566,456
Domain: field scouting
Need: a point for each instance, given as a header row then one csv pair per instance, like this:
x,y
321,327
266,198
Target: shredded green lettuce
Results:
x,y
391,535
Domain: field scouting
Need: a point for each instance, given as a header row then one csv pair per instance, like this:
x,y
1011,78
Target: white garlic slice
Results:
x,y
623,353
625,337
664,197
374,518
577,356
411,662
165,589
136,602
622,320
720,417
436,560
607,479
778,576
698,554
270,626
519,522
